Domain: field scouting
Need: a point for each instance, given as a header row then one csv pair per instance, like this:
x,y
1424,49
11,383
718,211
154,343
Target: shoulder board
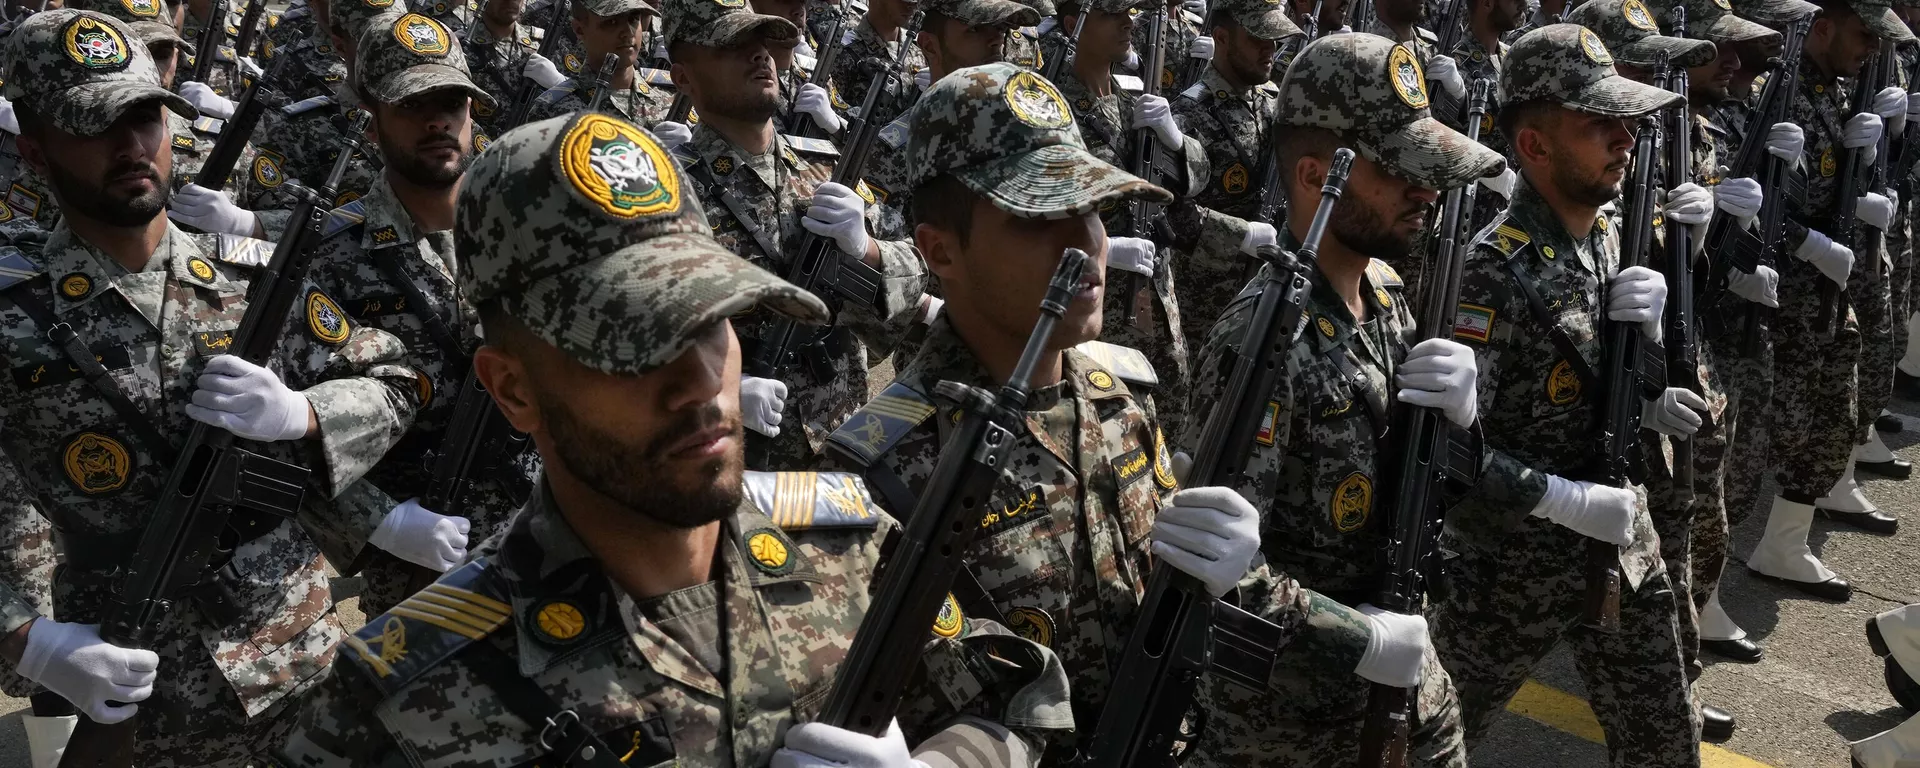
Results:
x,y
307,105
811,146
686,154
800,501
1426,34
1268,88
1129,83
1504,237
558,92
244,251
895,134
1194,91
1384,274
538,33
1193,17
225,53
1130,364
804,62
342,218
15,268
433,625
209,125
654,76
880,424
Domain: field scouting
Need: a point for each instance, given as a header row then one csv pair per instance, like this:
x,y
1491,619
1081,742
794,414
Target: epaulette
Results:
x,y
1426,34
343,218
1129,83
1194,91
1384,275
307,105
820,147
244,251
1505,237
16,268
225,54
293,13
882,423
653,76
1130,364
895,134
538,33
804,62
802,500
686,154
209,125
425,630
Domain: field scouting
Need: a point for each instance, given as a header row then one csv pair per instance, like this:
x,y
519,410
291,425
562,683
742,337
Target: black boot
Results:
x,y
1889,424
1741,650
1895,468
1716,724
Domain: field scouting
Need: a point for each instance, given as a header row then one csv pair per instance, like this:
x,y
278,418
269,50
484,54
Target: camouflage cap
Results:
x,y
722,23
78,69
1372,91
1711,20
351,18
1006,133
585,231
1566,64
980,13
411,56
1264,19
1108,6
1774,13
149,20
617,7
1881,20
1631,33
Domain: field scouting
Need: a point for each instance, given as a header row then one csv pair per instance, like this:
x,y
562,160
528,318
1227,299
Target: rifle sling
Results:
x,y
83,360
388,261
1556,333
1342,361
560,730
739,210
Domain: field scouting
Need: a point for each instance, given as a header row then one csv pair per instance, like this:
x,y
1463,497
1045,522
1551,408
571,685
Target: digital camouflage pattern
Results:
x,y
496,63
50,56
351,19
414,55
721,23
317,68
863,58
26,569
1178,31
222,75
1632,34
1476,63
1568,65
1235,126
299,142
1709,20
644,102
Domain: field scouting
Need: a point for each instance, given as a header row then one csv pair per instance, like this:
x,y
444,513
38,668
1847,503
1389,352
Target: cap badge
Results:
x,y
1723,4
619,168
1597,51
145,9
1408,81
1637,15
422,35
1036,103
95,45
731,3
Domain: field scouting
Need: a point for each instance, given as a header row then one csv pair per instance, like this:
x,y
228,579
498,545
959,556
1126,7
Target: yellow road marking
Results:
x,y
1566,712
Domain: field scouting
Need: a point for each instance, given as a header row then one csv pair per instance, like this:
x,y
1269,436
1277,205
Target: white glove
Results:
x,y
762,401
1259,233
1440,374
1876,210
1689,203
541,70
72,660
1396,648
1131,254
1202,48
1675,412
1832,259
672,134
923,78
1443,70
1211,533
1638,295
1197,7
839,213
1501,184
204,99
1046,25
420,536
1786,141
930,306
818,745
812,100
1132,61
1863,130
1594,511
211,211
1740,198
1153,112
1761,286
1891,105
248,401
8,122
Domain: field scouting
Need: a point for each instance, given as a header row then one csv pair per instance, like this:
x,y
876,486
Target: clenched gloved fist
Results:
x,y
1786,141
210,211
818,745
839,213
1131,254
423,537
541,70
1834,260
1594,511
248,401
813,102
1761,286
762,401
1689,203
1211,533
72,660
1638,295
1439,373
1259,233
1396,648
1675,412
1153,112
204,99
1442,69
672,134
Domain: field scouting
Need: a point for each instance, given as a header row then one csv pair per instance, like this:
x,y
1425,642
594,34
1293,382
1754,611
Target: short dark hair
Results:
x,y
503,331
31,124
1221,17
944,202
1514,117
1294,142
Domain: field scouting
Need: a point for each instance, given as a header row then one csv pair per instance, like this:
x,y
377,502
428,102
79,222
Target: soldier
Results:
x,y
1230,113
156,306
502,54
1002,185
1517,589
1815,392
1312,460
317,67
642,607
876,43
1894,634
798,79
640,94
763,191
1481,55
224,77
1184,39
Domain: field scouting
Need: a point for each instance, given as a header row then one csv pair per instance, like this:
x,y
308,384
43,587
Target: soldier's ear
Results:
x,y
31,151
505,378
1309,174
938,247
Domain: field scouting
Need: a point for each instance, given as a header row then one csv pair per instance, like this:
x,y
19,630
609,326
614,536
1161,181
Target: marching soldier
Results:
x,y
317,67
1312,459
875,43
652,603
1536,293
156,307
639,94
1481,55
763,190
1185,39
503,53
226,81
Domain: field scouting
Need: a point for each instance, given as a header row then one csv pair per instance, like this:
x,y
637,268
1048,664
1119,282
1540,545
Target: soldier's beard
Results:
x,y
1362,229
751,107
639,475
93,201
1583,188
422,172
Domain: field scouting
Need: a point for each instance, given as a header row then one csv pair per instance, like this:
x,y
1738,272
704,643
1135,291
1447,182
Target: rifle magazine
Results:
x,y
1244,646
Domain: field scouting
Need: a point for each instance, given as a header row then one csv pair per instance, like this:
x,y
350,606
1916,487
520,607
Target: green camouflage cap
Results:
x,y
1006,133
1881,20
1566,64
1711,20
1109,6
1633,35
78,69
585,231
982,13
1264,19
1372,92
722,23
351,18
413,55
149,20
1774,13
617,7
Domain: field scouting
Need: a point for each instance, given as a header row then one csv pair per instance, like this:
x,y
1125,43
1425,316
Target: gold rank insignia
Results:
x,y
1100,380
1547,251
199,268
1827,165
392,646
560,621
423,386
770,552
722,166
950,620
1326,326
183,142
97,463
1031,623
1381,295
75,286
1352,503
1563,386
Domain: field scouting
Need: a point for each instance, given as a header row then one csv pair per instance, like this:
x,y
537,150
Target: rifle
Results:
x,y
254,102
1846,200
208,50
680,109
1137,292
249,28
1174,641
1745,248
932,549
461,457
1190,70
1426,459
1361,15
1069,45
211,477
822,66
549,45
1683,352
1452,27
602,81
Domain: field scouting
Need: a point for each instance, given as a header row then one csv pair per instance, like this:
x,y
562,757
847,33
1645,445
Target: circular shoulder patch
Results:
x,y
559,621
1352,503
141,9
325,320
75,286
1563,386
1408,79
267,171
1326,326
96,463
769,552
1035,102
377,3
199,268
94,45
1100,380
1637,15
1234,179
948,623
1594,49
481,141
618,168
422,35
1162,462
1031,623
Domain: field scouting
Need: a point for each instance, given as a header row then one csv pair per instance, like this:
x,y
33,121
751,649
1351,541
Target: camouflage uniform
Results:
x,y
301,140
1749,378
568,52
711,675
222,77
853,72
496,64
230,673
646,101
1517,588
1178,32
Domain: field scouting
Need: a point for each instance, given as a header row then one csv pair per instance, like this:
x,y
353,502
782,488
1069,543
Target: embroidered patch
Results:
x,y
199,268
1162,461
1100,380
1131,466
1563,386
93,44
731,3
1637,15
267,170
1234,179
1408,81
1325,325
75,286
1827,166
211,343
144,9
384,235
325,320
96,463
423,387
24,201
1597,51
345,197
1352,503
392,642
559,621
1332,408
183,142
422,35
1015,512
1035,102
481,141
949,621
36,375
1031,623
1083,104
1269,424
1473,322
769,552
618,168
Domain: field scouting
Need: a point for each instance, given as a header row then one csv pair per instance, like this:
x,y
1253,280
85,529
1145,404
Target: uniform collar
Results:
x,y
723,159
178,257
387,223
1215,83
1550,238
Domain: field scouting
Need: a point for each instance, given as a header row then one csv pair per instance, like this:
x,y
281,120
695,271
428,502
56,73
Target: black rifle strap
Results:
x,y
1342,360
388,260
1556,333
901,500
761,236
83,360
561,733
